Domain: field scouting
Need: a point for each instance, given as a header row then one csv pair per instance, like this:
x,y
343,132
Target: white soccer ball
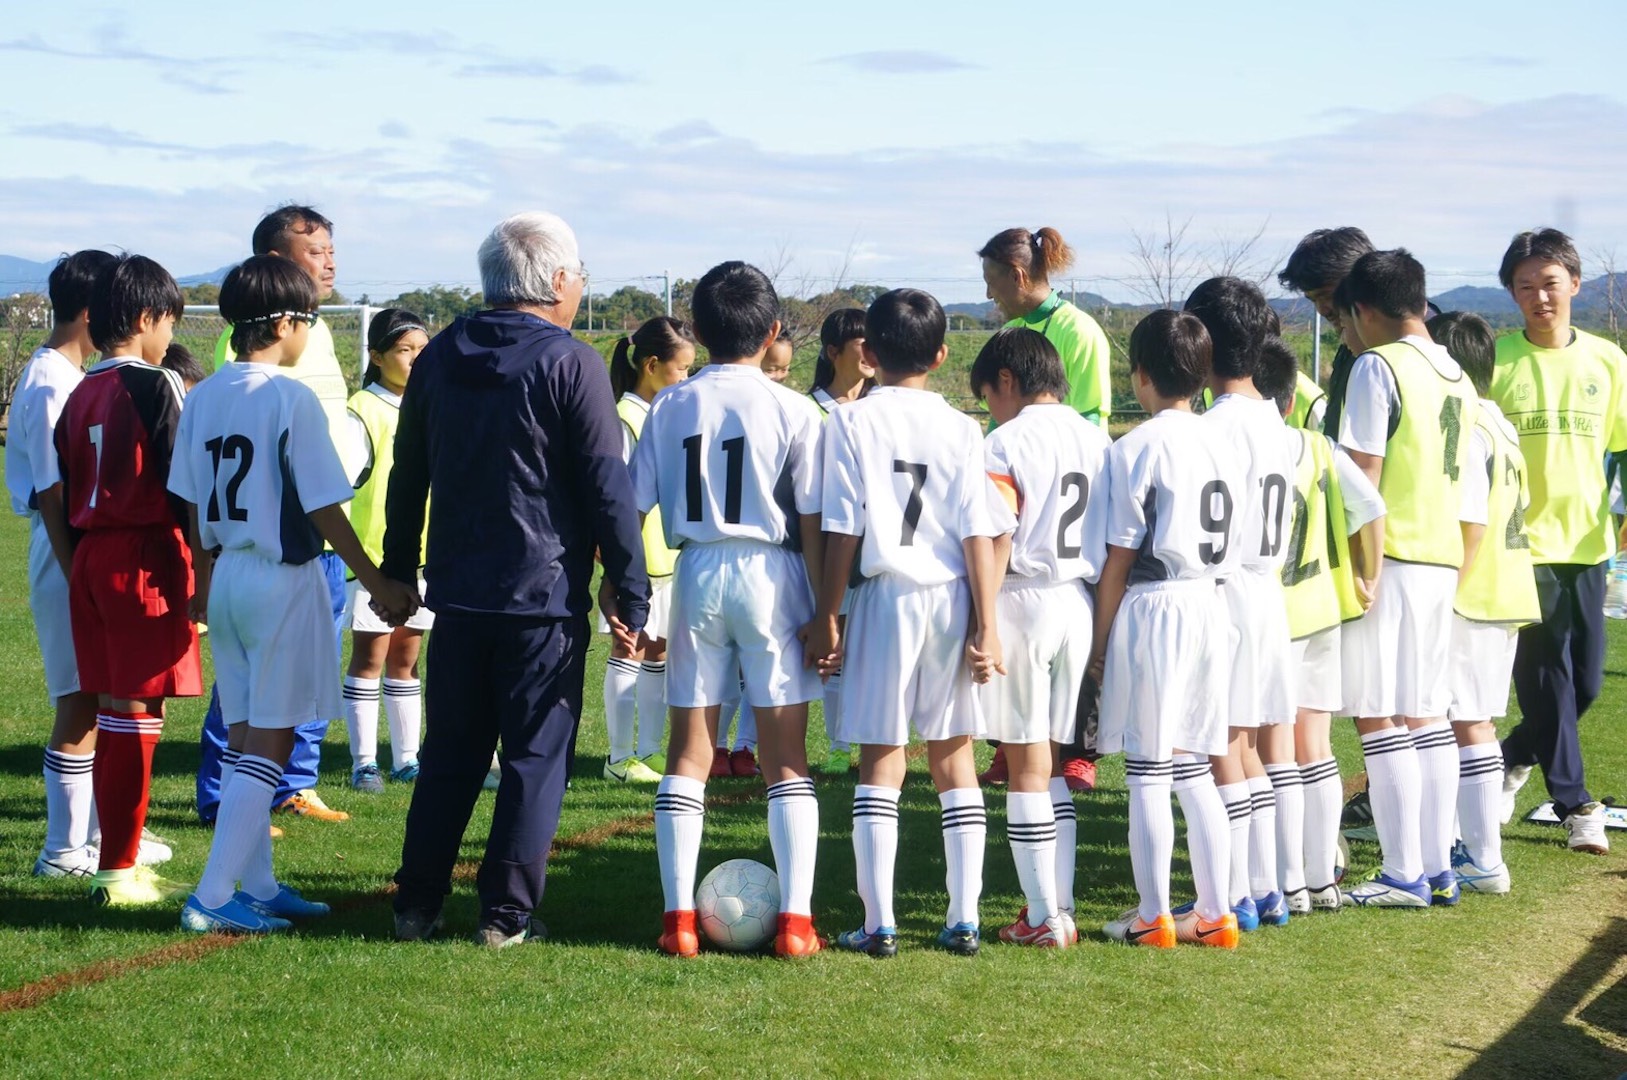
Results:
x,y
738,905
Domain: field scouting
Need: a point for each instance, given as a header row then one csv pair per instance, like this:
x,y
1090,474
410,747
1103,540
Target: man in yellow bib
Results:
x,y
1565,391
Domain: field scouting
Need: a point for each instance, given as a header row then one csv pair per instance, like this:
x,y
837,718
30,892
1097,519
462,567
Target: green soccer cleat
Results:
x,y
837,764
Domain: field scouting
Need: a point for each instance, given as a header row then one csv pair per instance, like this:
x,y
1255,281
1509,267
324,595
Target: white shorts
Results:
x,y
660,616
904,664
1262,671
736,608
1482,663
1165,685
48,601
271,633
1045,632
1395,656
359,612
1319,672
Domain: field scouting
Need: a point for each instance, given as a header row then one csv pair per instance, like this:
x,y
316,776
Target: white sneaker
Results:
x,y
1586,827
153,851
1383,891
1326,898
1514,778
1299,901
79,862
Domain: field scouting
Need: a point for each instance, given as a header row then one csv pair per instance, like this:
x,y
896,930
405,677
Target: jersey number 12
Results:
x,y
230,448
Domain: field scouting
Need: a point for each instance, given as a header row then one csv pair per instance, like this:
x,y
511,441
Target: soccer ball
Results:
x,y
738,905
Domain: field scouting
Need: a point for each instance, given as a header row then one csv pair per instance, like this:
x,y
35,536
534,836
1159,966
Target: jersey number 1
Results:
x,y
230,448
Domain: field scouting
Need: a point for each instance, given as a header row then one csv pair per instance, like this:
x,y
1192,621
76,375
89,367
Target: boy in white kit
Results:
x,y
1048,462
1259,758
1407,414
254,458
1163,641
732,460
905,491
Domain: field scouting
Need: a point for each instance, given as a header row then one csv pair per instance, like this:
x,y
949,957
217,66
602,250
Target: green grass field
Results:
x,y
1529,985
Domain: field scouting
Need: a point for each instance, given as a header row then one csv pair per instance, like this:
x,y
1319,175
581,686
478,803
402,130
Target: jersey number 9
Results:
x,y
1215,515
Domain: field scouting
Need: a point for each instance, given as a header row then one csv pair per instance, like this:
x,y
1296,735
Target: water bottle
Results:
x,y
1615,594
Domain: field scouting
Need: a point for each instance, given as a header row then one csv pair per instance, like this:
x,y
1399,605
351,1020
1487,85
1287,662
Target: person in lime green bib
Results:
x,y
383,660
1565,391
1017,268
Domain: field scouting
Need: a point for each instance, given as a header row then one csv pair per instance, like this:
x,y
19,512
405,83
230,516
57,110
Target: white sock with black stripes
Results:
x,y
244,821
875,850
793,833
1208,834
965,832
1152,832
68,797
1323,794
1067,842
680,817
361,720
1031,829
620,704
1393,788
1480,789
1289,790
652,708
1437,751
1262,838
1238,808
404,713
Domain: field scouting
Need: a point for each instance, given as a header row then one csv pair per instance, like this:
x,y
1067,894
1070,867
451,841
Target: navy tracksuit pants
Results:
x,y
1558,671
493,679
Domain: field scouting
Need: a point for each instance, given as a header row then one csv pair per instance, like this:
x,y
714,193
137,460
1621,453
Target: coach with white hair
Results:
x,y
509,428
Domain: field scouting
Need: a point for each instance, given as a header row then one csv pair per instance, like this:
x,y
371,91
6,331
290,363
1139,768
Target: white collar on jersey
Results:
x,y
636,400
384,393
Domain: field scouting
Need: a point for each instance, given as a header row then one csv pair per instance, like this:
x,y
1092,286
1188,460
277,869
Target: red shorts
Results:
x,y
127,598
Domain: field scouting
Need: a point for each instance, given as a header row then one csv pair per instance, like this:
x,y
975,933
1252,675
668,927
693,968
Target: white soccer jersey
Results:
x,y
1262,448
36,403
905,471
253,452
1172,497
728,454
1052,459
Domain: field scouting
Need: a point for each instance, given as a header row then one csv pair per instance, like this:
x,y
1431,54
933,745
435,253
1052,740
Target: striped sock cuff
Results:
x,y
69,764
1479,759
800,787
230,757
1388,741
963,809
1191,770
1031,832
259,770
402,687
1135,768
1320,771
870,801
1262,800
653,667
1434,737
680,795
130,723
1284,776
628,666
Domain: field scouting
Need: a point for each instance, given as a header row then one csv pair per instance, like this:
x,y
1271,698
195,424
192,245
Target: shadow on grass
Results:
x,y
1560,1036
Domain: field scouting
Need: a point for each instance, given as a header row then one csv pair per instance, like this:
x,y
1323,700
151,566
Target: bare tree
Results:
x,y
1615,301
1169,263
1232,256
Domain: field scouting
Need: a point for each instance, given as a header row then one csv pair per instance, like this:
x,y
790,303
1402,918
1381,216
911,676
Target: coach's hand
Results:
x,y
629,641
395,601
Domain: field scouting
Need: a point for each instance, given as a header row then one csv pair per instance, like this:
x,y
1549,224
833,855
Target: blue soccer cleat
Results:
x,y
232,917
882,943
962,939
287,904
406,774
1472,877
1381,890
1444,890
1248,916
1271,909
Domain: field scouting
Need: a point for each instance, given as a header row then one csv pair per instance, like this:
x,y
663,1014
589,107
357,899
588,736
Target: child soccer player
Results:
x,y
252,453
1405,415
1162,650
394,340
1047,461
906,492
732,461
132,570
179,359
34,482
842,375
1496,595
657,355
1259,760
1327,577
777,361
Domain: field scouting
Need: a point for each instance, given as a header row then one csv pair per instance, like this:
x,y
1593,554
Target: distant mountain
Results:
x,y
213,277
22,275
988,312
1479,298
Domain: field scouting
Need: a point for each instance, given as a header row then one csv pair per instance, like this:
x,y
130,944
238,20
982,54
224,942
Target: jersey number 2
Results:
x,y
230,448
1077,481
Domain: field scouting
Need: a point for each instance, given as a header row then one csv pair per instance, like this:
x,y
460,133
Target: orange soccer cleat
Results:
x,y
1219,933
678,937
797,937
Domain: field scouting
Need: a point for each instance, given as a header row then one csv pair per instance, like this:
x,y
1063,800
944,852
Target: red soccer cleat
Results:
x,y
679,937
743,763
997,773
797,937
720,764
1079,774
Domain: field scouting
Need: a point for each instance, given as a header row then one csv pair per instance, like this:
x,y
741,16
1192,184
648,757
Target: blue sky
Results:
x,y
864,135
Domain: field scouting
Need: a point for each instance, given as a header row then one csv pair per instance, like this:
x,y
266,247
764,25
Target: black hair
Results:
x,y
259,287
276,227
905,329
1323,258
659,338
72,281
131,287
1470,341
179,359
1550,245
840,327
1033,361
1389,282
387,328
1276,376
734,306
1039,254
1173,348
1238,319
